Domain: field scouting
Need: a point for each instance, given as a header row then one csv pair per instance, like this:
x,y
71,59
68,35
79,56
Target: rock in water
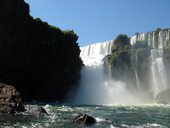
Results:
x,y
35,110
163,97
84,119
10,99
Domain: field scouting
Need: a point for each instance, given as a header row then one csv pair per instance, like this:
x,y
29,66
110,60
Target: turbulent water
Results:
x,y
113,116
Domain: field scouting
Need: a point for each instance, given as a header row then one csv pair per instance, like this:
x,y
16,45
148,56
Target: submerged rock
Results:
x,y
35,110
10,99
163,97
84,119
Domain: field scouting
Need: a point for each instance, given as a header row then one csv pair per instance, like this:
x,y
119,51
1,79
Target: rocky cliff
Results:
x,y
40,60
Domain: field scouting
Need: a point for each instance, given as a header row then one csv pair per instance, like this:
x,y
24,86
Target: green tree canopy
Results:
x,y
121,41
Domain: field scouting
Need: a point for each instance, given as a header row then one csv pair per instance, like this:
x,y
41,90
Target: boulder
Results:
x,y
35,110
163,97
84,119
10,99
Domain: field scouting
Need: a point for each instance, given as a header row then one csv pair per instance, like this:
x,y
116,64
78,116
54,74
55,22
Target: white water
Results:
x,y
158,81
92,55
97,88
136,73
158,72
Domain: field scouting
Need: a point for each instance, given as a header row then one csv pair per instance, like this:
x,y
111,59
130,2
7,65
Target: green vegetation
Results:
x,y
40,60
125,60
121,41
137,33
121,45
158,30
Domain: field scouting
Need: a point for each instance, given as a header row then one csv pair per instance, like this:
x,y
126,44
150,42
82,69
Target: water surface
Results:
x,y
108,116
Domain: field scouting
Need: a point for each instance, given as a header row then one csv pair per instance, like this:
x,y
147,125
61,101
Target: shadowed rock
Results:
x,y
10,100
40,60
84,119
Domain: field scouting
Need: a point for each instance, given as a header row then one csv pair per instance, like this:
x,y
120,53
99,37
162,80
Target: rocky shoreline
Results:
x,y
11,102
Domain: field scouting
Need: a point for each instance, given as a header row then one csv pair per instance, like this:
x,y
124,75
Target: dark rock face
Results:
x,y
40,60
10,100
36,110
84,119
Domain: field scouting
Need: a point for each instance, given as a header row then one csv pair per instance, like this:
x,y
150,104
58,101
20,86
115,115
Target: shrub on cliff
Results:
x,y
119,50
121,40
120,57
40,60
125,60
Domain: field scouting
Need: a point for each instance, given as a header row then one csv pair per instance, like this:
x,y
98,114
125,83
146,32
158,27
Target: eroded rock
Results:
x,y
10,99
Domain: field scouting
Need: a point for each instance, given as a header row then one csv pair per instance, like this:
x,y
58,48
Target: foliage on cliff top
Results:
x,y
123,52
121,41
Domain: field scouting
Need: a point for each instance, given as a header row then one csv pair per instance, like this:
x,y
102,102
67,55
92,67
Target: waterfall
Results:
x,y
92,55
157,40
98,88
157,71
136,72
157,65
95,86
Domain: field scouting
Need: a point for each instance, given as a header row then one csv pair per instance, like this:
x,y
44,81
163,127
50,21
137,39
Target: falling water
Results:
x,y
158,71
136,72
157,65
97,88
157,41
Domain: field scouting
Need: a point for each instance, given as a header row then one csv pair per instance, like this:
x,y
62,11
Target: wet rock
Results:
x,y
36,110
84,119
10,99
163,97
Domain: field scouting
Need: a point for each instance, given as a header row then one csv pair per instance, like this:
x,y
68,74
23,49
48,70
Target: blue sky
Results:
x,y
102,20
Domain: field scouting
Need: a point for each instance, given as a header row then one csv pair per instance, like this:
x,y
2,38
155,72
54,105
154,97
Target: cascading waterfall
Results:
x,y
158,71
157,65
95,86
157,41
93,54
98,88
92,73
136,73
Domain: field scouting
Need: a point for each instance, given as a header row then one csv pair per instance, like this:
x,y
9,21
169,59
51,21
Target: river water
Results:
x,y
107,116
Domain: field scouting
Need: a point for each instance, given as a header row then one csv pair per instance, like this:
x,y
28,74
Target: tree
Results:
x,y
121,41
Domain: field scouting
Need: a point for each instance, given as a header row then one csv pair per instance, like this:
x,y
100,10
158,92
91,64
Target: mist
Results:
x,y
99,86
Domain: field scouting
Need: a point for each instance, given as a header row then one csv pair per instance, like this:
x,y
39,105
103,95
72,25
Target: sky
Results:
x,y
101,20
